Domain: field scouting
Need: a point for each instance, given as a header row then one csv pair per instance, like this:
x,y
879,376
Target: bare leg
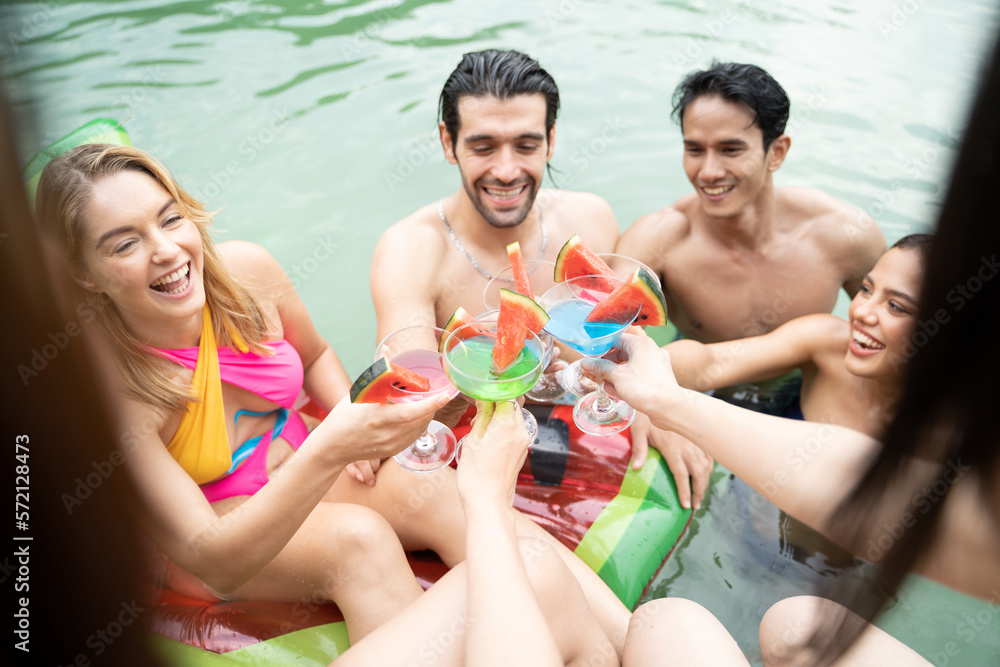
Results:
x,y
426,513
674,631
432,630
342,553
611,614
787,627
424,510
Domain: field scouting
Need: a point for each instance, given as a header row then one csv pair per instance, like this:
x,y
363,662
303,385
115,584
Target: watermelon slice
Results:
x,y
639,290
520,271
518,316
460,318
383,380
576,260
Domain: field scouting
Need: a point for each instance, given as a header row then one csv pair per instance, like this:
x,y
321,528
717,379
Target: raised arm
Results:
x,y
226,551
500,592
804,468
792,345
403,274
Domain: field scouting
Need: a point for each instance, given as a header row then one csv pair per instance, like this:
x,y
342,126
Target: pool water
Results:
x,y
311,127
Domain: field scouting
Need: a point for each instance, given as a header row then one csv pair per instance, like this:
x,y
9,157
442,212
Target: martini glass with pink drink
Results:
x,y
416,348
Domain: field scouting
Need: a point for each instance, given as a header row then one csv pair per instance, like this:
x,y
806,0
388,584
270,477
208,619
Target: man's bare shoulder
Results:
x,y
665,227
420,231
838,225
802,203
583,213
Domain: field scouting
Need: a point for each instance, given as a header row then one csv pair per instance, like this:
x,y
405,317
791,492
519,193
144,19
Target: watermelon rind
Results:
x,y
520,271
458,319
654,308
382,379
575,260
642,290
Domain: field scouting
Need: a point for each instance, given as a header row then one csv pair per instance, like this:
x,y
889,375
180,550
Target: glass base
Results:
x,y
548,388
575,381
432,451
616,416
530,425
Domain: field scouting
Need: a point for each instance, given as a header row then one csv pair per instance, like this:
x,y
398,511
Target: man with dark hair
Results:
x,y
740,256
498,111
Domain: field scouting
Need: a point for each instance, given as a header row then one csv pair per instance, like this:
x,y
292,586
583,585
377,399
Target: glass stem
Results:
x,y
603,404
425,445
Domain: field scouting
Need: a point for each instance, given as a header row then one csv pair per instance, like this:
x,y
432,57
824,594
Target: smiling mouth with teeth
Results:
x,y
717,191
174,283
505,195
866,342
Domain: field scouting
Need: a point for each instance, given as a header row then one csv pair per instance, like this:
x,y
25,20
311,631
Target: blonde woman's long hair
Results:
x,y
64,193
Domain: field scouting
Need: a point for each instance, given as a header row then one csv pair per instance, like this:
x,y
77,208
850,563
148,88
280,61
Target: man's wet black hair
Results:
x,y
743,84
501,74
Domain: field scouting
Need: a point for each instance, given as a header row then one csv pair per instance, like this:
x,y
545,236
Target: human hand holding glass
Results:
x,y
571,377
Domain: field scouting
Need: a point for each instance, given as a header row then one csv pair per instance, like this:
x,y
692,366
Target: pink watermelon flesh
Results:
x,y
383,380
518,316
520,271
638,300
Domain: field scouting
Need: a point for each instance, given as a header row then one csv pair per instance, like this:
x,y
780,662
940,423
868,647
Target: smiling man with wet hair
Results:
x,y
740,256
498,114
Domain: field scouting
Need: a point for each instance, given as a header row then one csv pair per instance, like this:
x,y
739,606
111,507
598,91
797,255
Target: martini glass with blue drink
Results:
x,y
469,363
572,377
568,305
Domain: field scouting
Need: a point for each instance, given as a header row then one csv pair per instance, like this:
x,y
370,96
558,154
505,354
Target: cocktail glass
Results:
x,y
549,387
572,376
568,304
416,348
469,364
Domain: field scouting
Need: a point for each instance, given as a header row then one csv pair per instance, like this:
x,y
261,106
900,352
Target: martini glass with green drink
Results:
x,y
470,362
549,386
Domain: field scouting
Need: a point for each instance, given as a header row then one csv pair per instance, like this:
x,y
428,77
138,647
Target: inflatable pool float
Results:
x,y
623,523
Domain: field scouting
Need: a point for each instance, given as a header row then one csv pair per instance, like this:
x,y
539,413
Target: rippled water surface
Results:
x,y
311,125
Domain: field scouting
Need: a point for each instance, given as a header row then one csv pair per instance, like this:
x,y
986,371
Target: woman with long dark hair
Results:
x,y
927,495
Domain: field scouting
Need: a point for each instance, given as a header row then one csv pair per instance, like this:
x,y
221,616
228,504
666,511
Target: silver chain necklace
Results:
x,y
472,260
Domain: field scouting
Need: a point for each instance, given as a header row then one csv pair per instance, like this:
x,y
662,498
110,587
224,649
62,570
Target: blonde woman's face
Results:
x,y
141,251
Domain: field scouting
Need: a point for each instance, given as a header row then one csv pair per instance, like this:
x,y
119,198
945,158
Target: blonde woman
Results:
x,y
212,348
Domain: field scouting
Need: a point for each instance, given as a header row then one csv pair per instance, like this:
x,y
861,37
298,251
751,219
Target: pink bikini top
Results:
x,y
277,378
201,443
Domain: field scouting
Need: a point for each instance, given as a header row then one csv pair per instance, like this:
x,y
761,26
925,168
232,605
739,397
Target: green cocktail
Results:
x,y
469,367
468,361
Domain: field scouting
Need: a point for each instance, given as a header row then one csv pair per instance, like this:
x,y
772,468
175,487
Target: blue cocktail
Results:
x,y
568,304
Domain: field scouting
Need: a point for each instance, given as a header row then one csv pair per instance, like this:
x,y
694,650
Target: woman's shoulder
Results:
x,y
254,268
242,256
